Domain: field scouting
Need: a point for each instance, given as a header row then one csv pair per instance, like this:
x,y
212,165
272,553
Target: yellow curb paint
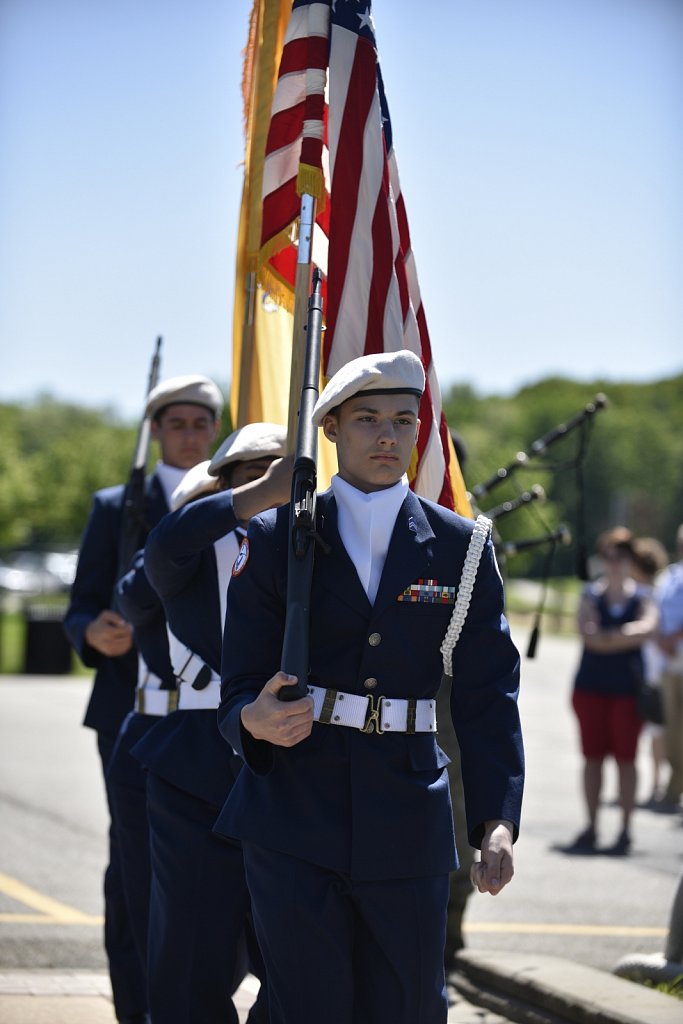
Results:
x,y
54,912
524,928
43,919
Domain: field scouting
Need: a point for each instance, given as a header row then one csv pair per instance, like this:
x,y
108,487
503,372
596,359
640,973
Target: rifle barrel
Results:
x,y
295,647
134,497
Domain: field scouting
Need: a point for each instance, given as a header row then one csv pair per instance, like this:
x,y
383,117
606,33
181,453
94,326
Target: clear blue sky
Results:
x,y
540,146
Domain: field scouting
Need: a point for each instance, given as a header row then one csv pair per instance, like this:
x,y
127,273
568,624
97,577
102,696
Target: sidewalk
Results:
x,y
52,997
491,988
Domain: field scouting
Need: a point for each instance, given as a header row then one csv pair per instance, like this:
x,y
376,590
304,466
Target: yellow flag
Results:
x,y
262,330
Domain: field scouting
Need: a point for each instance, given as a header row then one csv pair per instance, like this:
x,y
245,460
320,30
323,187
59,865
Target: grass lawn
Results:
x,y
49,647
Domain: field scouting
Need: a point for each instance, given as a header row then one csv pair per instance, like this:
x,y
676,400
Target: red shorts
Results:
x,y
609,725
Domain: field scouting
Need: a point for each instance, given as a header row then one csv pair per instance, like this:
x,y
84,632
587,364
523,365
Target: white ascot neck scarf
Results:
x,y
169,477
366,522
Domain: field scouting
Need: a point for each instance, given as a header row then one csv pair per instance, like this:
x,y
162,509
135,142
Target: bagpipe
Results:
x,y
535,460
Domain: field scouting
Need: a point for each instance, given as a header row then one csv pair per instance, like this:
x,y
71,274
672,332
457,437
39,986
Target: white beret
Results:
x,y
195,482
190,389
254,441
383,372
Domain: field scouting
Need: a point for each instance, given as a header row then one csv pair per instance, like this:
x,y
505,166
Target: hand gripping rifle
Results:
x,y
302,532
134,500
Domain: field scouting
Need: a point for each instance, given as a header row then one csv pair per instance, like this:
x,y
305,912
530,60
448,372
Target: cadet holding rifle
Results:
x,y
199,908
184,417
343,808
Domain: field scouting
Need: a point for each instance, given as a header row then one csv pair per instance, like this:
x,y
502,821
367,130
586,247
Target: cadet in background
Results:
x,y
199,908
185,413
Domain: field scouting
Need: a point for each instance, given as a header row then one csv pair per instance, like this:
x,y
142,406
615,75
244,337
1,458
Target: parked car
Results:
x,y
38,572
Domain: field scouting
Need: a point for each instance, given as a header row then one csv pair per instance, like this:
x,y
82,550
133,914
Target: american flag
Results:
x,y
330,135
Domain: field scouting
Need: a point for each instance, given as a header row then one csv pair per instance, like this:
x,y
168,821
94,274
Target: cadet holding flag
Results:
x,y
343,809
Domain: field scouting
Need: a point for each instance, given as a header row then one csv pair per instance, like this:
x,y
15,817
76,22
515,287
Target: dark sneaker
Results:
x,y
622,847
584,843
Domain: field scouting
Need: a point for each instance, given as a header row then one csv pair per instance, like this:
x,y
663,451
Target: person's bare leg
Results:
x,y
592,787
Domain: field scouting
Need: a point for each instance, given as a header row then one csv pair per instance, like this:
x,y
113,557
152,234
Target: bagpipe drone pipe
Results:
x,y
536,459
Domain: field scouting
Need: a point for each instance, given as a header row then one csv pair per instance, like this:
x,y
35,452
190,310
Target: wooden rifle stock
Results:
x,y
302,536
133,522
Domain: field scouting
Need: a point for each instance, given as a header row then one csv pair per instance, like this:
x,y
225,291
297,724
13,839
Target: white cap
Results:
x,y
383,373
254,441
190,389
195,482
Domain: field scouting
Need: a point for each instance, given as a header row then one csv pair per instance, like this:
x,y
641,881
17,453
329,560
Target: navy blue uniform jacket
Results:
x,y
372,806
139,602
93,591
141,605
185,748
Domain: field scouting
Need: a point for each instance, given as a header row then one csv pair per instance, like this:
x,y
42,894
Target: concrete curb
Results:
x,y
533,989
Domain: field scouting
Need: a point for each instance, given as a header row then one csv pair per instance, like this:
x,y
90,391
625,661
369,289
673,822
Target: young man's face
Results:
x,y
239,473
375,436
185,433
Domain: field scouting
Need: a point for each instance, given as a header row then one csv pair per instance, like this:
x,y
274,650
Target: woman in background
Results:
x,y
616,617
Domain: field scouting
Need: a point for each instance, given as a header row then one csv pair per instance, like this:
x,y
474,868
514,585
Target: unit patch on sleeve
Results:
x,y
242,558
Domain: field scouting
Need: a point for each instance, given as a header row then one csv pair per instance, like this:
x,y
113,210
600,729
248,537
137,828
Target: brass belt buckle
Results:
x,y
372,715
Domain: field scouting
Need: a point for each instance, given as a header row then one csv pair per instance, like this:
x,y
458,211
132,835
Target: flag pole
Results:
x,y
247,349
302,286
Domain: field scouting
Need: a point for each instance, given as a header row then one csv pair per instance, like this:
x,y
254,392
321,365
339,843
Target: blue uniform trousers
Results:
x,y
126,968
198,893
348,952
128,788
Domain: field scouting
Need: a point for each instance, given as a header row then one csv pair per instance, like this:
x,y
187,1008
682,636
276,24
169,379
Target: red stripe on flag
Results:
x,y
300,54
382,268
348,169
285,128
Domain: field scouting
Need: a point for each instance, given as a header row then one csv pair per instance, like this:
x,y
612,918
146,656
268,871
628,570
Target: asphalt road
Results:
x,y
590,909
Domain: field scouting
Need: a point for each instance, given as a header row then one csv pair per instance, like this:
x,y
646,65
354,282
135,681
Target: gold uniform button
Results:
x,y
374,639
370,683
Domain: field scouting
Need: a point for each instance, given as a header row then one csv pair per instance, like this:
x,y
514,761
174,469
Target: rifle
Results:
x,y
302,533
134,499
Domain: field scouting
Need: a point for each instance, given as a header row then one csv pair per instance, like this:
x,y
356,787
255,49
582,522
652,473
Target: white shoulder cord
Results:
x,y
478,539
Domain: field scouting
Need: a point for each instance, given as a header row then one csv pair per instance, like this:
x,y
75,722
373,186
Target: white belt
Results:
x,y
193,670
155,702
205,699
367,713
150,698
199,687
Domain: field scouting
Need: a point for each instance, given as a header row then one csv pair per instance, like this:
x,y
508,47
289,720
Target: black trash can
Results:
x,y
46,650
